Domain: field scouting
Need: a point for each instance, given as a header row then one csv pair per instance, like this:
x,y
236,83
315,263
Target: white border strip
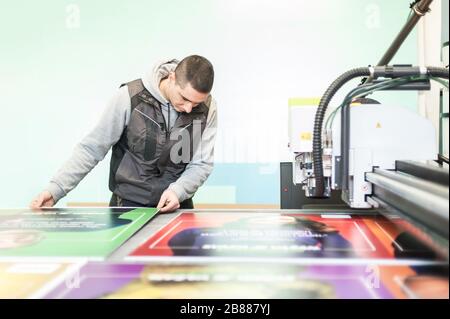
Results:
x,y
390,237
152,246
365,237
281,261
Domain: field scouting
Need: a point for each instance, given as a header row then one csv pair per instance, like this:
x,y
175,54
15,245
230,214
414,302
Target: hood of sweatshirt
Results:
x,y
153,77
151,81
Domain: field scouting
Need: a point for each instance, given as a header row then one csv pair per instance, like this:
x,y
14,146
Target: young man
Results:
x,y
162,131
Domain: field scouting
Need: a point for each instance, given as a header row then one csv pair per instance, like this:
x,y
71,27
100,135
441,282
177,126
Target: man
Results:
x,y
162,131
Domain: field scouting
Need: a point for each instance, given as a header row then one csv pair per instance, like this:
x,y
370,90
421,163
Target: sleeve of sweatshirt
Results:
x,y
94,147
199,169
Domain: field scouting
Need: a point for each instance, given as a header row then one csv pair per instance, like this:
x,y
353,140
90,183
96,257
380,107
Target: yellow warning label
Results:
x,y
306,136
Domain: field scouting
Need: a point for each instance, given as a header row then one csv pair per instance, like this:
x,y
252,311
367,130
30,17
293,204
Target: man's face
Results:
x,y
184,99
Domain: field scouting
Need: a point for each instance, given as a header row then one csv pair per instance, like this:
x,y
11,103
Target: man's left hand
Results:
x,y
168,202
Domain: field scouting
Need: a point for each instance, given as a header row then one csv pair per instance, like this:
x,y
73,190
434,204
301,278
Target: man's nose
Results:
x,y
188,107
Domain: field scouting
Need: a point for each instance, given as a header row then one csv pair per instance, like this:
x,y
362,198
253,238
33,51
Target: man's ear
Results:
x,y
172,77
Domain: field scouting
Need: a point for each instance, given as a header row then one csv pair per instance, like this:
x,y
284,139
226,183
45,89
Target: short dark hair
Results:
x,y
197,71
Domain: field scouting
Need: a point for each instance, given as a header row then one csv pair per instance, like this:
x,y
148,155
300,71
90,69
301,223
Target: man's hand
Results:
x,y
44,199
168,202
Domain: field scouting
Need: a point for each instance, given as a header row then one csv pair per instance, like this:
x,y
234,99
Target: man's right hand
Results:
x,y
44,199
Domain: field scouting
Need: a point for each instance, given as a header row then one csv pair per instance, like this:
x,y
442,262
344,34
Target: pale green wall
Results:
x,y
56,74
445,25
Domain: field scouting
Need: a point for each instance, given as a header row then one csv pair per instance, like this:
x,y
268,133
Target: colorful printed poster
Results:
x,y
32,280
83,232
194,237
242,281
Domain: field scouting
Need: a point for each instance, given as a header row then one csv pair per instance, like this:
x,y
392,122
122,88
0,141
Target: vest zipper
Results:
x,y
148,117
168,119
166,127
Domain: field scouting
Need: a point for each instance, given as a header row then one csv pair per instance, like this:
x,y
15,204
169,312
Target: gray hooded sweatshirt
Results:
x,y
94,147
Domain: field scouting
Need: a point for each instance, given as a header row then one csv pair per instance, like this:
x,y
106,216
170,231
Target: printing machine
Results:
x,y
391,167
377,156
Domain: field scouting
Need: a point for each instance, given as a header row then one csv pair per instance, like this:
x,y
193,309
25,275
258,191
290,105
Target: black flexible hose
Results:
x,y
321,110
438,72
318,123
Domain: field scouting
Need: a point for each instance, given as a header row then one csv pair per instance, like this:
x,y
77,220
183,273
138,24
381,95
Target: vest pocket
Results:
x,y
143,135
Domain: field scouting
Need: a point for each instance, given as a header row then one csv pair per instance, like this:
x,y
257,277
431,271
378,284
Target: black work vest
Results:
x,y
142,165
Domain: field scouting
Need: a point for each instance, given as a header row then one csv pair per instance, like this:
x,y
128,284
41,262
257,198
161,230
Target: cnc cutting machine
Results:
x,y
377,155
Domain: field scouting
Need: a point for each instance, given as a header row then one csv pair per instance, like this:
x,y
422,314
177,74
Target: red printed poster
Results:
x,y
294,237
